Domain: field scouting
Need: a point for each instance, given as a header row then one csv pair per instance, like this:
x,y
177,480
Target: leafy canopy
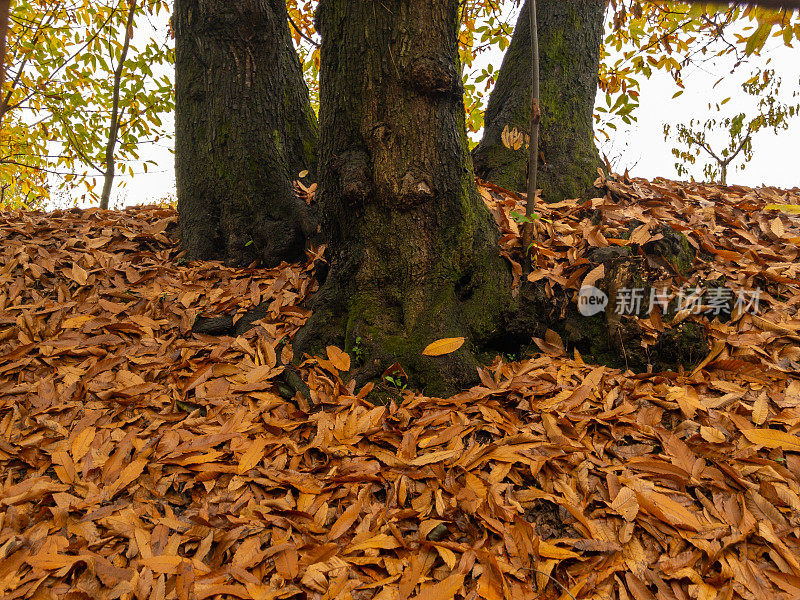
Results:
x,y
56,100
57,97
641,38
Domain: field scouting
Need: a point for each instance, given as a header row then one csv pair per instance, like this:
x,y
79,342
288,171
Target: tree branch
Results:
x,y
776,4
115,113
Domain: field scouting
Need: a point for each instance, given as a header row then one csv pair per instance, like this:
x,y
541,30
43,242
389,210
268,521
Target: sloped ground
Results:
x,y
142,461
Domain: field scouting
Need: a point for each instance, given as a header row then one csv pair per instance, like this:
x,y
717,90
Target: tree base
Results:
x,y
389,327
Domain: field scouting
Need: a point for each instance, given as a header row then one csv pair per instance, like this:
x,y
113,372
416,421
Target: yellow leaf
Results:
x,y
339,359
547,550
771,438
82,443
786,208
75,322
760,409
445,346
252,456
712,434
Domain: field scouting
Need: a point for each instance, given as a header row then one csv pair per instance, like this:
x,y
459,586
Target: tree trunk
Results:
x,y
244,131
414,254
570,35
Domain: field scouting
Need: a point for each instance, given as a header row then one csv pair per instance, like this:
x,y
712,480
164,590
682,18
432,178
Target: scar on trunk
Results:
x,y
354,175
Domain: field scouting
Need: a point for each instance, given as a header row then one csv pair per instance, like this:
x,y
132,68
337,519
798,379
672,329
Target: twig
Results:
x,y
533,146
554,580
622,343
115,111
301,34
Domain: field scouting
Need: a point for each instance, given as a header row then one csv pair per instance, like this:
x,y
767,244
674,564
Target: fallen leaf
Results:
x,y
444,346
339,359
772,438
252,456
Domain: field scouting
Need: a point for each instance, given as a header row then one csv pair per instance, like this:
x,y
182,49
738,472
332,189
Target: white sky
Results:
x,y
641,147
776,157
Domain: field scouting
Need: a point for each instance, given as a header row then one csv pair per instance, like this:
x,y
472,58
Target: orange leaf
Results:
x,y
79,275
444,346
665,508
164,564
382,541
128,475
76,322
339,359
594,276
444,590
82,443
252,456
346,520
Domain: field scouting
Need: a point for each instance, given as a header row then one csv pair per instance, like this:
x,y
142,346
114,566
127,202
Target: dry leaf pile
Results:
x,y
142,461
740,244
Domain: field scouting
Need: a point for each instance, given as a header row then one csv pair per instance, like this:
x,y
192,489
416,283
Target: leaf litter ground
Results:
x,y
142,461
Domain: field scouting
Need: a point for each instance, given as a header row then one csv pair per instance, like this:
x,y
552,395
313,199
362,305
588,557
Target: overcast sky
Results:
x,y
641,148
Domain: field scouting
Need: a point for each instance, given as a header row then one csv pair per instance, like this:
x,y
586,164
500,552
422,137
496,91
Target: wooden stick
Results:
x,y
533,146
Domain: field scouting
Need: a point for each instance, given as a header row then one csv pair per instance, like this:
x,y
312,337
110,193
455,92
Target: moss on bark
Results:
x,y
244,130
413,249
570,36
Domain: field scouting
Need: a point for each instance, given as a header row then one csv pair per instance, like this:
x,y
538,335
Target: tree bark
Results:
x,y
413,249
570,35
245,129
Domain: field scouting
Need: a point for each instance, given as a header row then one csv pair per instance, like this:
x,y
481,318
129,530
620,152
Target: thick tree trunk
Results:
x,y
245,130
570,35
414,254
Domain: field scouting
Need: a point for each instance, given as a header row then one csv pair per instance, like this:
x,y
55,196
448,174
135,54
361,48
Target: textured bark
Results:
x,y
414,255
570,35
244,130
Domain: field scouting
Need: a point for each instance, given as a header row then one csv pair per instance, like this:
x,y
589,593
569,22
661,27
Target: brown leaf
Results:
x,y
339,359
625,504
